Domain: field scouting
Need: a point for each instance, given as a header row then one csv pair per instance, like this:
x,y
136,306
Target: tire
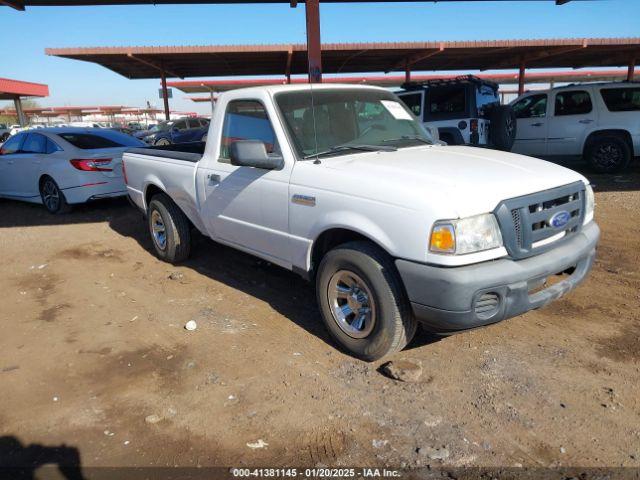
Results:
x,y
503,126
169,229
4,137
608,153
162,142
389,325
52,197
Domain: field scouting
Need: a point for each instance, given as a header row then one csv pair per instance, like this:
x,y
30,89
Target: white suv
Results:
x,y
599,122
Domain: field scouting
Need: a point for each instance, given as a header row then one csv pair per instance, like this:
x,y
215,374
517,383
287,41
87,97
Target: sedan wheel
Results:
x,y
162,142
52,197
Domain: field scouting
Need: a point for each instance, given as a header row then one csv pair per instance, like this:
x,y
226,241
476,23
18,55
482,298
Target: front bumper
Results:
x,y
446,299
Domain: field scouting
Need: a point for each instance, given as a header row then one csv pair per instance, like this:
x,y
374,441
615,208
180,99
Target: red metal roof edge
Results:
x,y
546,42
22,88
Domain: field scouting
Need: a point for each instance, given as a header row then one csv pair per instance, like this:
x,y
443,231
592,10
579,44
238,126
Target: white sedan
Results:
x,y
59,167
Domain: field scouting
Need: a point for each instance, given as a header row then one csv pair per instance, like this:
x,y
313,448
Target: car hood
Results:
x,y
472,180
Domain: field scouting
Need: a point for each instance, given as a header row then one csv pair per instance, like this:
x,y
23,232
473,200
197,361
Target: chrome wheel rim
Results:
x,y
158,230
163,142
352,304
608,155
51,196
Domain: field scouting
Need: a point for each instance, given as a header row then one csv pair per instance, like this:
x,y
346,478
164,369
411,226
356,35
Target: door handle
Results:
x,y
213,178
538,124
586,120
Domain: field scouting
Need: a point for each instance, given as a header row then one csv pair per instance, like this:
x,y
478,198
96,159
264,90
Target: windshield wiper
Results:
x,y
410,137
343,148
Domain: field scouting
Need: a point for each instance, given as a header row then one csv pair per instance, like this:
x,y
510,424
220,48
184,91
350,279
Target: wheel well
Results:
x,y
331,239
625,135
42,179
150,192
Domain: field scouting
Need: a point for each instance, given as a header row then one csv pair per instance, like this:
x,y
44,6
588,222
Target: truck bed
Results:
x,y
189,152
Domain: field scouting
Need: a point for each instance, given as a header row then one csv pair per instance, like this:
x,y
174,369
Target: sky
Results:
x,y
25,35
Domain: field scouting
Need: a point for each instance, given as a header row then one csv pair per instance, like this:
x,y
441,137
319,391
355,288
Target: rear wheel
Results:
x,y
362,301
52,197
608,154
169,228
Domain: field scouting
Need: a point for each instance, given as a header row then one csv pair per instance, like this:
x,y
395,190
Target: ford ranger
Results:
x,y
344,186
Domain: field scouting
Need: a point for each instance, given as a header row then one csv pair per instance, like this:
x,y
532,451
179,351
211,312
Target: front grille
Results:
x,y
526,222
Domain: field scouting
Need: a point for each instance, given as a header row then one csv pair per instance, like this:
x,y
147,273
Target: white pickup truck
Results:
x,y
344,186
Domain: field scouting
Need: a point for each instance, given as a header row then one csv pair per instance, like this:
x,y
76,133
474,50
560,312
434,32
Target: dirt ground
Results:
x,y
93,355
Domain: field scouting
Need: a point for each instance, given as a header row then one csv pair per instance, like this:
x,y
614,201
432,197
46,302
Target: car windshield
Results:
x,y
161,127
342,121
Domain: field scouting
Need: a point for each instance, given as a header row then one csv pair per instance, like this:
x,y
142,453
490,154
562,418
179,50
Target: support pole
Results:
x,y
165,95
213,100
22,120
407,73
521,79
314,48
630,70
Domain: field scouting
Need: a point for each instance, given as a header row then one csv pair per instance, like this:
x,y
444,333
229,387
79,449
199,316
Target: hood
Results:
x,y
472,180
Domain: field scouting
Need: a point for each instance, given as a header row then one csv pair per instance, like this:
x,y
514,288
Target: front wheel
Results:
x,y
608,154
362,301
169,228
52,197
163,142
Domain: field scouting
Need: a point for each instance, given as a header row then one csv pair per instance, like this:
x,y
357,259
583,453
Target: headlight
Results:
x,y
589,204
466,235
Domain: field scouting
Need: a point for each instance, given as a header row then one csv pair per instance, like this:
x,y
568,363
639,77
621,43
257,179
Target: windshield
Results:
x,y
336,119
161,127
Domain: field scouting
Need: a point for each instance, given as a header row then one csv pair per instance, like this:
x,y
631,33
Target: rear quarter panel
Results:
x,y
174,177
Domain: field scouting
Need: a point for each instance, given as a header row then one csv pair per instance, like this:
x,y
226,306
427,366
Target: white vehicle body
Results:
x,y
564,121
392,198
29,157
13,129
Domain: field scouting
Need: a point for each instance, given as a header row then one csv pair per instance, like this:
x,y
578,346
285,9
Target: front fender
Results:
x,y
354,221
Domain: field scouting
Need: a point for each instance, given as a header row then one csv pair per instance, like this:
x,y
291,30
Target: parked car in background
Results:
x,y
342,185
599,122
13,129
4,132
59,167
125,130
465,110
178,131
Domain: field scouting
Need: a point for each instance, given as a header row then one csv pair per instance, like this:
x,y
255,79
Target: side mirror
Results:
x,y
253,153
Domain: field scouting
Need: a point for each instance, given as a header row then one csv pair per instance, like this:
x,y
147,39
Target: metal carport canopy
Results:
x,y
236,60
16,89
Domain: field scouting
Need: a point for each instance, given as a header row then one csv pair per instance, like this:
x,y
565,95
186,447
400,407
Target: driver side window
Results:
x,y
246,120
533,106
181,125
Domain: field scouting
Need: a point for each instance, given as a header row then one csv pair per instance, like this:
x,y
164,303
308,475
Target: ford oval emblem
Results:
x,y
560,219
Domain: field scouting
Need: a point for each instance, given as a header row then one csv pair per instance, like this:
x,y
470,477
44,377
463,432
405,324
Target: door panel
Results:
x,y
244,205
573,113
533,125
